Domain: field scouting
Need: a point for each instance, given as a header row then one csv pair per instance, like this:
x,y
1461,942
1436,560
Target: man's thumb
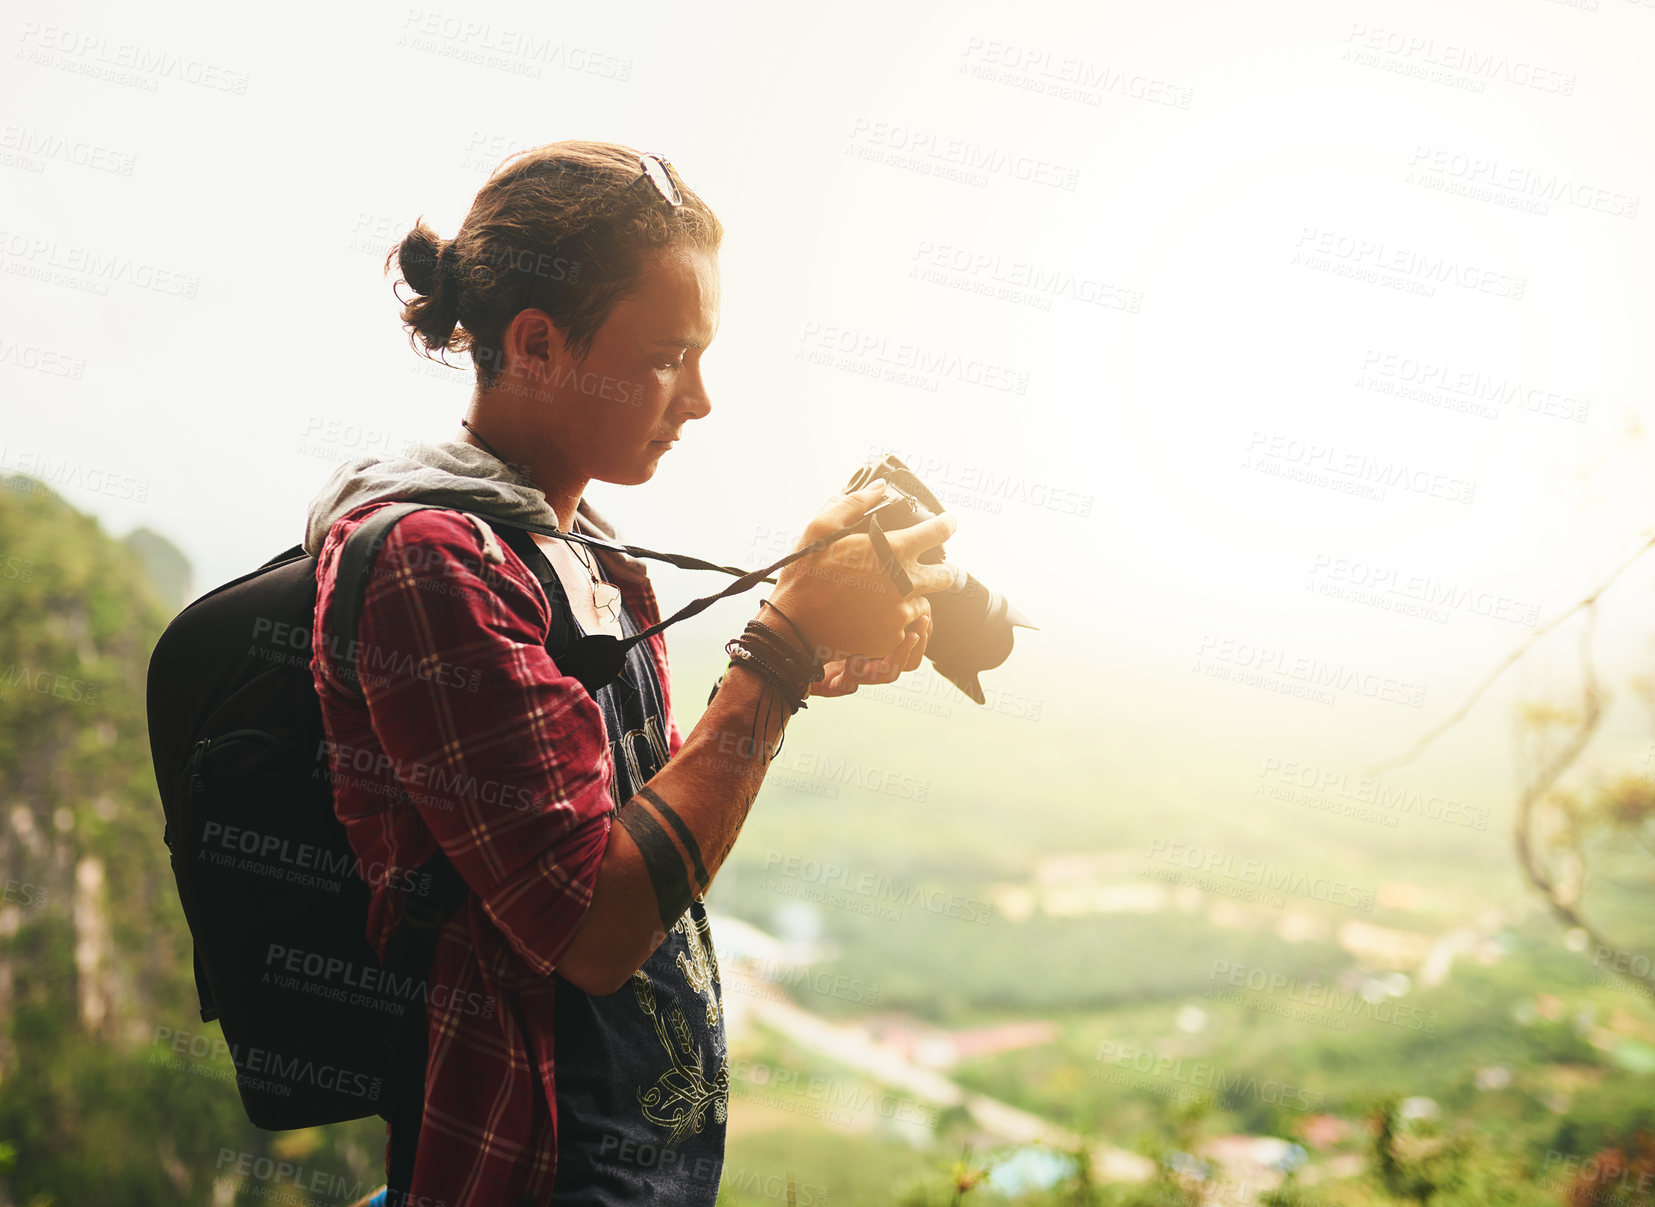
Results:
x,y
844,508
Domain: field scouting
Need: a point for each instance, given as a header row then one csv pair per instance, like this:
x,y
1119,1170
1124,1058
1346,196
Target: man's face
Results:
x,y
612,414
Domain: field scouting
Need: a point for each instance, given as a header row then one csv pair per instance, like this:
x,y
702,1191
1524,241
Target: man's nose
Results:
x,y
694,401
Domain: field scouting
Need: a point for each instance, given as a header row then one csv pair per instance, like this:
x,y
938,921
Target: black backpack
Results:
x,y
277,904
318,1029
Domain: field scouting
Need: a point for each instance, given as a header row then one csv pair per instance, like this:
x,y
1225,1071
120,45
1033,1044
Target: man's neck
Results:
x,y
563,496
562,488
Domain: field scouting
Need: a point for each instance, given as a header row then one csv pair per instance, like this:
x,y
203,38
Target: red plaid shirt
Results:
x,y
467,735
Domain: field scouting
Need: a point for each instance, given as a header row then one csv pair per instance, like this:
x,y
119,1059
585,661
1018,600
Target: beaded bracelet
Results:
x,y
747,658
792,694
767,653
767,639
766,701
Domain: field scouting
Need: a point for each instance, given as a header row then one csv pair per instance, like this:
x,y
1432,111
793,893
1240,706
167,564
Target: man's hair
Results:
x,y
555,228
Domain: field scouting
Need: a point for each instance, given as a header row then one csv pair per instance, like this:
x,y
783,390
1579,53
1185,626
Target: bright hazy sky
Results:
x,y
1213,305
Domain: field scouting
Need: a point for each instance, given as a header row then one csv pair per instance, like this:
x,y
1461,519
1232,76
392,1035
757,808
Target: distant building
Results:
x,y
937,1048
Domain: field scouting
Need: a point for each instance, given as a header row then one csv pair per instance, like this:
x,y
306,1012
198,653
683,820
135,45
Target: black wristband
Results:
x,y
768,639
792,692
803,640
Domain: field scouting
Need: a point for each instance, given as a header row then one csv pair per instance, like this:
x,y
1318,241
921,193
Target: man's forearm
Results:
x,y
675,834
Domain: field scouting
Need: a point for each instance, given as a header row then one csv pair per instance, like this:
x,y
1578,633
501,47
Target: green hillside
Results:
x,y
112,1090
1534,1063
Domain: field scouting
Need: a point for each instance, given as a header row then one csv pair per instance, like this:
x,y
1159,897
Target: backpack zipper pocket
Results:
x,y
195,779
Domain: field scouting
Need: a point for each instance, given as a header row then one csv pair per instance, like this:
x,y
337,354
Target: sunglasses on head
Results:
x,y
658,171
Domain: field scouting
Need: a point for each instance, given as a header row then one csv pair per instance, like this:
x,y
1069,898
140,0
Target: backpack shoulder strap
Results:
x,y
562,633
413,943
356,565
415,936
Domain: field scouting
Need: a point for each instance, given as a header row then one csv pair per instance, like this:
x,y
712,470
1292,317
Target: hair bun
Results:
x,y
420,257
426,263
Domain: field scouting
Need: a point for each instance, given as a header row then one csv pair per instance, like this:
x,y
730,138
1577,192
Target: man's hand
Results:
x,y
842,597
844,676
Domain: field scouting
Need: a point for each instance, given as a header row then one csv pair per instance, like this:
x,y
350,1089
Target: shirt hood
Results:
x,y
451,474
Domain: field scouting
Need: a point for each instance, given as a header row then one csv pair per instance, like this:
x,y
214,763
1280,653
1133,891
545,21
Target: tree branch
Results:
x,y
1511,660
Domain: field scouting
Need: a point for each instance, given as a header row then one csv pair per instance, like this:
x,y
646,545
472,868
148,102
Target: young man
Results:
x,y
574,1017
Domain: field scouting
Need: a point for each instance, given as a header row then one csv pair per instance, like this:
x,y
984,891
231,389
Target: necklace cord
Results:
x,y
487,447
587,561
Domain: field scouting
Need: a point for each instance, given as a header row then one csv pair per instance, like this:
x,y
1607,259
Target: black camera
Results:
x,y
971,624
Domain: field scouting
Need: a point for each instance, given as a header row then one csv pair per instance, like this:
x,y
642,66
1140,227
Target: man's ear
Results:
x,y
535,347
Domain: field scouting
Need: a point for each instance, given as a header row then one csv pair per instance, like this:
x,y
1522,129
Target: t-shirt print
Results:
x,y
643,1074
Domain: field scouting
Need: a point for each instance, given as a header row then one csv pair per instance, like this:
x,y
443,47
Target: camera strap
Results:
x,y
597,659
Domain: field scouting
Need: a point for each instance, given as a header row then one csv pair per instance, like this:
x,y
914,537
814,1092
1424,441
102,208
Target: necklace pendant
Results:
x,y
606,598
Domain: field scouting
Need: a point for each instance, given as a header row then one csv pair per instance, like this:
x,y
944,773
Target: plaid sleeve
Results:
x,y
675,736
503,755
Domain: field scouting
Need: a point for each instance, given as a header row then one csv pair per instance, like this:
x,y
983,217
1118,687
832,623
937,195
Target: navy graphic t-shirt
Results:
x,y
643,1074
